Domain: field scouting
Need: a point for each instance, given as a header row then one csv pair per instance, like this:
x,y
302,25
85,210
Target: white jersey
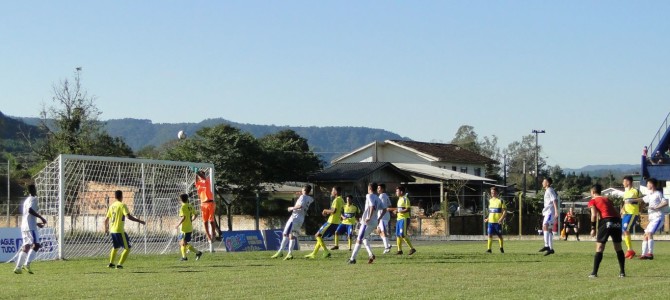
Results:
x,y
654,199
304,202
550,197
371,201
384,203
28,221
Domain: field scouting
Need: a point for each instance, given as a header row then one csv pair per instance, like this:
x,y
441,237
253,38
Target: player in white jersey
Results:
x,y
369,222
657,208
29,225
292,228
549,212
384,216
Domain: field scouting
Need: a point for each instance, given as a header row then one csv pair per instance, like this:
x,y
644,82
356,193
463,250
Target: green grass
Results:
x,y
438,270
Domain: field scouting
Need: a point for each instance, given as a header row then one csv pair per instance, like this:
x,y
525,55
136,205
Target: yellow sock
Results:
x,y
349,241
320,244
190,247
500,242
408,242
124,255
488,243
398,242
337,240
112,255
183,251
626,240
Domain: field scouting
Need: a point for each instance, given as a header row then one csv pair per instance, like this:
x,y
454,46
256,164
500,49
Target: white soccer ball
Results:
x,y
181,135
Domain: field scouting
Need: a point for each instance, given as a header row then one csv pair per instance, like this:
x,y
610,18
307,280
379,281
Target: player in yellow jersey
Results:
x,y
187,214
330,226
403,213
116,217
349,219
497,211
630,212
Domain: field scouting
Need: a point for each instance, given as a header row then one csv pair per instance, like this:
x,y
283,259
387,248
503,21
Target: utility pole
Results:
x,y
537,161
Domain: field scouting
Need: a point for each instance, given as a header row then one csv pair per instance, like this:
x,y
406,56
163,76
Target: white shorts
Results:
x,y
293,226
548,220
364,231
30,237
383,226
654,224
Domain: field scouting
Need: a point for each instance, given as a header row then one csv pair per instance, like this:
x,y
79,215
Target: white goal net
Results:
x,y
74,192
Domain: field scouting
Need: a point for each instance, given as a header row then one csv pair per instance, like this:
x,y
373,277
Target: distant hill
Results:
x,y
11,128
602,170
328,142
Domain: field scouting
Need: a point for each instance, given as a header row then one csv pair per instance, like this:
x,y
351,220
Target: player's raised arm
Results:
x,y
130,217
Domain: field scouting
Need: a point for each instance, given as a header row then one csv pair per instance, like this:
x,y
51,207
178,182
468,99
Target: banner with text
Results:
x,y
244,240
11,241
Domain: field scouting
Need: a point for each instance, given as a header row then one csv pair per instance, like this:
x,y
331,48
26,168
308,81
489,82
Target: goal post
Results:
x,y
74,192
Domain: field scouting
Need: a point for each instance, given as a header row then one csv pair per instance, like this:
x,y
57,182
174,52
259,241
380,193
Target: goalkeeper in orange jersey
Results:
x,y
207,206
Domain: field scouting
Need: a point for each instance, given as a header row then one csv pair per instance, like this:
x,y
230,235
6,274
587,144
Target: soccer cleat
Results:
x,y
198,255
411,251
352,262
549,252
27,269
545,248
371,259
630,254
326,255
119,267
488,251
277,255
502,250
387,250
111,266
335,248
310,256
17,271
593,275
183,259
399,252
647,257
288,256
622,275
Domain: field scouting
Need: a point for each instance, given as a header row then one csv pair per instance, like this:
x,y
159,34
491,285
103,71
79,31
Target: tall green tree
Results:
x,y
467,138
288,157
519,151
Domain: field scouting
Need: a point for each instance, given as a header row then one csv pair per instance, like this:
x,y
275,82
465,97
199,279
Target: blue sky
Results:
x,y
594,74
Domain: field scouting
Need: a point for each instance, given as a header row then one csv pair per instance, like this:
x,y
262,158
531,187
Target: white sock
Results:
x,y
284,241
650,245
211,247
31,256
291,244
546,238
644,248
355,252
19,260
386,242
550,238
367,247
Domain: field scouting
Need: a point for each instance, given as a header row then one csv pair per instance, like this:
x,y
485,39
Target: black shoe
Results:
x,y
545,248
198,255
411,251
488,251
335,248
352,261
502,250
593,275
399,252
371,259
184,259
111,266
551,251
622,275
119,266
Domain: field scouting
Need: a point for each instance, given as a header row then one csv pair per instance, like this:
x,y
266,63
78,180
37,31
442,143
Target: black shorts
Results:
x,y
570,225
610,227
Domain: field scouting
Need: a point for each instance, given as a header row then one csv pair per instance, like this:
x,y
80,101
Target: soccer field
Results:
x,y
438,270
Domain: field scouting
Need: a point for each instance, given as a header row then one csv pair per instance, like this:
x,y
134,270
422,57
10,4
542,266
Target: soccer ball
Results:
x,y
181,135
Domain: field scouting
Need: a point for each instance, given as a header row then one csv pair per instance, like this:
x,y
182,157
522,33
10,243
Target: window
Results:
x,y
464,169
478,171
453,168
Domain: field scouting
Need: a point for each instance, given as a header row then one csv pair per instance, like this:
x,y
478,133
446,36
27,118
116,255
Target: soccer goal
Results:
x,y
74,192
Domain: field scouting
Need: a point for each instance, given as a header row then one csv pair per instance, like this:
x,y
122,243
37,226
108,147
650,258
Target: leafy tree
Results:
x,y
519,151
287,157
72,127
467,138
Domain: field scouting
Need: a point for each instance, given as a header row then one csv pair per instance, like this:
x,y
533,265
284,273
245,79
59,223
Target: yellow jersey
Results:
x,y
116,214
631,208
187,211
350,212
496,208
403,203
336,206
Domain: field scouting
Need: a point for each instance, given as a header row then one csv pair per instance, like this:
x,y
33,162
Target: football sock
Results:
x,y
406,239
644,248
354,253
650,245
500,242
596,262
337,240
550,239
31,256
291,244
112,255
284,241
349,240
321,244
622,260
398,242
626,239
183,251
190,247
19,260
546,238
386,242
488,243
367,247
124,255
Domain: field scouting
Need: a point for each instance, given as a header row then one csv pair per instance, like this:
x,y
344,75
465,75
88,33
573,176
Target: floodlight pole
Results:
x,y
537,161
